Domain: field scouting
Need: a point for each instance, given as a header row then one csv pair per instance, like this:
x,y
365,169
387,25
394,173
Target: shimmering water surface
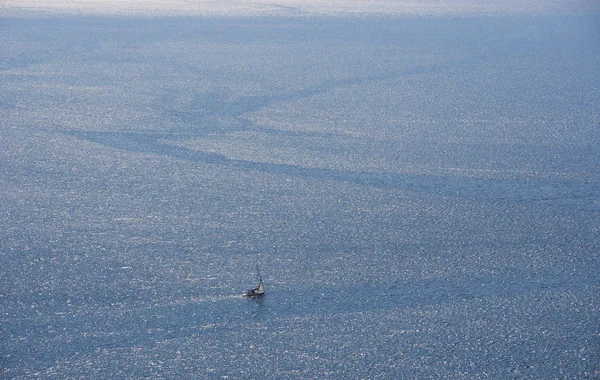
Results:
x,y
422,194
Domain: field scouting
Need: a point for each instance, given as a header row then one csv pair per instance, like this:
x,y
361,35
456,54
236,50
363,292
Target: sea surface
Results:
x,y
422,195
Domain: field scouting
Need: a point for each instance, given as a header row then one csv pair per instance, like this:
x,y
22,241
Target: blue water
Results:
x,y
422,195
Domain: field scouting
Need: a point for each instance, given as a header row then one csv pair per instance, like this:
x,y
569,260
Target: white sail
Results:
x,y
258,291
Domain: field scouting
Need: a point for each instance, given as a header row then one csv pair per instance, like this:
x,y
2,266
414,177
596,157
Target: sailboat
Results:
x,y
259,290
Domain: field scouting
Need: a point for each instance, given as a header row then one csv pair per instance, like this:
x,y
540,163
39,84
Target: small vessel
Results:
x,y
259,290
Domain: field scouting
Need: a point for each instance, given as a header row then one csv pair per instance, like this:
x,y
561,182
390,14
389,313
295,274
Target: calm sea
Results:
x,y
422,195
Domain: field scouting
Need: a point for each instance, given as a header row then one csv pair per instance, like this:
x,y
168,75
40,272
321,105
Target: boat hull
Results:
x,y
254,294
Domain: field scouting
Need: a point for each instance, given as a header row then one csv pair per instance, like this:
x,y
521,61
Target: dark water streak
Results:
x,y
583,195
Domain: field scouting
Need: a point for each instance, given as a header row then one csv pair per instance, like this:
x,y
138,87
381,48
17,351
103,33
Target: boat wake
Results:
x,y
214,298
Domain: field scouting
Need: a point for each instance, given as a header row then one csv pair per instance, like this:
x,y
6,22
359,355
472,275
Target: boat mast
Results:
x,y
261,287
